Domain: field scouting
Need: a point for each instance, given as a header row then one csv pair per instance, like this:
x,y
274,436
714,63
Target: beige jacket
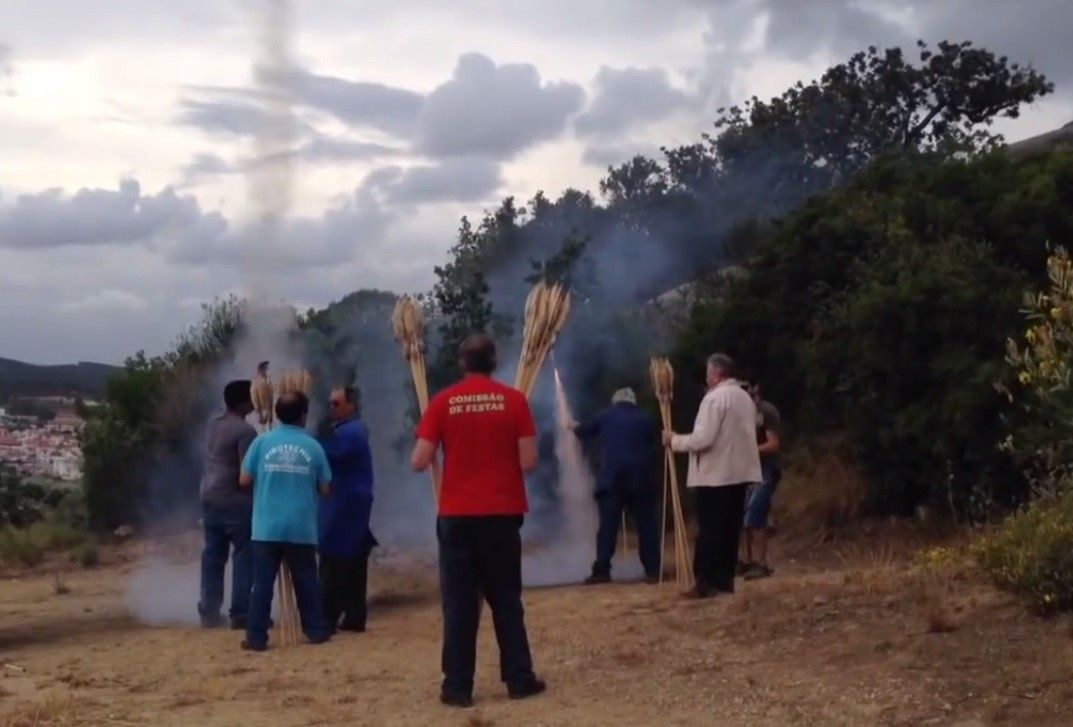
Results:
x,y
722,446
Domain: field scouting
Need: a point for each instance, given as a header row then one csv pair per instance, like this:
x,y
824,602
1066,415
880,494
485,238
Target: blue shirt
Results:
x,y
288,467
344,513
626,437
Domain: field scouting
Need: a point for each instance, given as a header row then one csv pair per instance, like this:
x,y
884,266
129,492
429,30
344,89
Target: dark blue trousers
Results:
x,y
302,560
226,529
482,556
640,499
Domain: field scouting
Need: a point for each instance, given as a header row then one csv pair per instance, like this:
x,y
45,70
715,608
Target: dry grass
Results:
x,y
54,710
820,494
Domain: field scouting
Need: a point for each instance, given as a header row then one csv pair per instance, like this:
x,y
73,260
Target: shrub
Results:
x,y
1031,553
21,502
29,545
1041,383
20,546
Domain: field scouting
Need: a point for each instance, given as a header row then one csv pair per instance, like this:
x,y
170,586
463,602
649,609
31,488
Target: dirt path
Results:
x,y
845,643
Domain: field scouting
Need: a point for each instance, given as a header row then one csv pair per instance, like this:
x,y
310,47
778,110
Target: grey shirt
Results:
x,y
227,437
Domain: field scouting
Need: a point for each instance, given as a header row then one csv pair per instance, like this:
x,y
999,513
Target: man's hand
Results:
x,y
572,425
423,455
668,436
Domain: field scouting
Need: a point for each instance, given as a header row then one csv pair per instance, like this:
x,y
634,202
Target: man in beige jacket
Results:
x,y
723,461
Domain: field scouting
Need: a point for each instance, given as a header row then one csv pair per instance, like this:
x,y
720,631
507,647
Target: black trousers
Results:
x,y
481,556
719,513
345,582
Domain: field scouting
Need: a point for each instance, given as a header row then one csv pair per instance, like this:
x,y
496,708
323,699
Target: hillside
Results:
x,y
22,379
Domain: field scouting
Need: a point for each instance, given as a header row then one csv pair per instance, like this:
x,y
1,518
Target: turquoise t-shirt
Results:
x,y
288,467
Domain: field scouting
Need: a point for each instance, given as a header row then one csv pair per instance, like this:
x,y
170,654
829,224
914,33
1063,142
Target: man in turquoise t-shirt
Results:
x,y
287,469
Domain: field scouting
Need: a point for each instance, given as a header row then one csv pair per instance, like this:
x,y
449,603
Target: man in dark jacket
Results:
x,y
345,537
626,437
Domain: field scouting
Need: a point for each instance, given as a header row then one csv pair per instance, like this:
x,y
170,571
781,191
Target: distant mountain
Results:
x,y
81,379
1057,138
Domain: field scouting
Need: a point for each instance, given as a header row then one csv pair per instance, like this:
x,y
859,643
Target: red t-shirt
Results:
x,y
479,422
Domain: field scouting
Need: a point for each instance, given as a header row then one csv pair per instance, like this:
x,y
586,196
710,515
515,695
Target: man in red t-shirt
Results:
x,y
488,439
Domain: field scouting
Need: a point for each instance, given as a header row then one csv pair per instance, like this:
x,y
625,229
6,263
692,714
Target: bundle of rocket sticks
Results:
x,y
409,328
546,311
290,622
263,398
662,374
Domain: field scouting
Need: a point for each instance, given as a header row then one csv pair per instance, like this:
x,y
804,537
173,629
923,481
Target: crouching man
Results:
x,y
287,468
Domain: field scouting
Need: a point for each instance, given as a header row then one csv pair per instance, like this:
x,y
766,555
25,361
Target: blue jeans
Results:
x,y
226,528
758,502
642,503
302,560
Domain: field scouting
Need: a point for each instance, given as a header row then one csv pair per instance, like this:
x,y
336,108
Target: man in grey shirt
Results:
x,y
226,510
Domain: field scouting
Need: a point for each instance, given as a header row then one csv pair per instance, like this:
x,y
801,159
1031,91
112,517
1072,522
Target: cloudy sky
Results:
x,y
144,143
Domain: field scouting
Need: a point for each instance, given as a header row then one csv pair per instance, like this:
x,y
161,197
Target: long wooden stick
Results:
x,y
290,622
662,375
410,333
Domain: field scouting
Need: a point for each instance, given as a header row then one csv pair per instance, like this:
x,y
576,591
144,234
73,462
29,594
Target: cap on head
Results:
x,y
624,396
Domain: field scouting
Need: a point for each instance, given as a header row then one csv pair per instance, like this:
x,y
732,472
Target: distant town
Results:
x,y
43,447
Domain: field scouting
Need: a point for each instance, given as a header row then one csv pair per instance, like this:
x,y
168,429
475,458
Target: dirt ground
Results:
x,y
844,634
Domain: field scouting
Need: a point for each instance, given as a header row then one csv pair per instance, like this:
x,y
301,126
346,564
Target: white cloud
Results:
x,y
626,97
404,117
493,110
106,301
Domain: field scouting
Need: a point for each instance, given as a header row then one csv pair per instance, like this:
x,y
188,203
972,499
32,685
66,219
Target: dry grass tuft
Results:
x,y
53,710
820,494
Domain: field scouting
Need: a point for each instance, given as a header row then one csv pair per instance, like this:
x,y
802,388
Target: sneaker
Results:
x,y
463,701
248,646
757,571
527,689
597,578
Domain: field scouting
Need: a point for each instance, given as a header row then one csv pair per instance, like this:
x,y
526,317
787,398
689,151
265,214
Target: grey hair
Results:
x,y
722,363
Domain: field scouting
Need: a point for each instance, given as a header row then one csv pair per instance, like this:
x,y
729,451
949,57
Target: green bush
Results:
x,y
20,546
1031,554
29,545
21,502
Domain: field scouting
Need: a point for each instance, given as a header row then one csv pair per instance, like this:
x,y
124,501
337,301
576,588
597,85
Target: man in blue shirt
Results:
x,y
626,437
345,538
286,468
